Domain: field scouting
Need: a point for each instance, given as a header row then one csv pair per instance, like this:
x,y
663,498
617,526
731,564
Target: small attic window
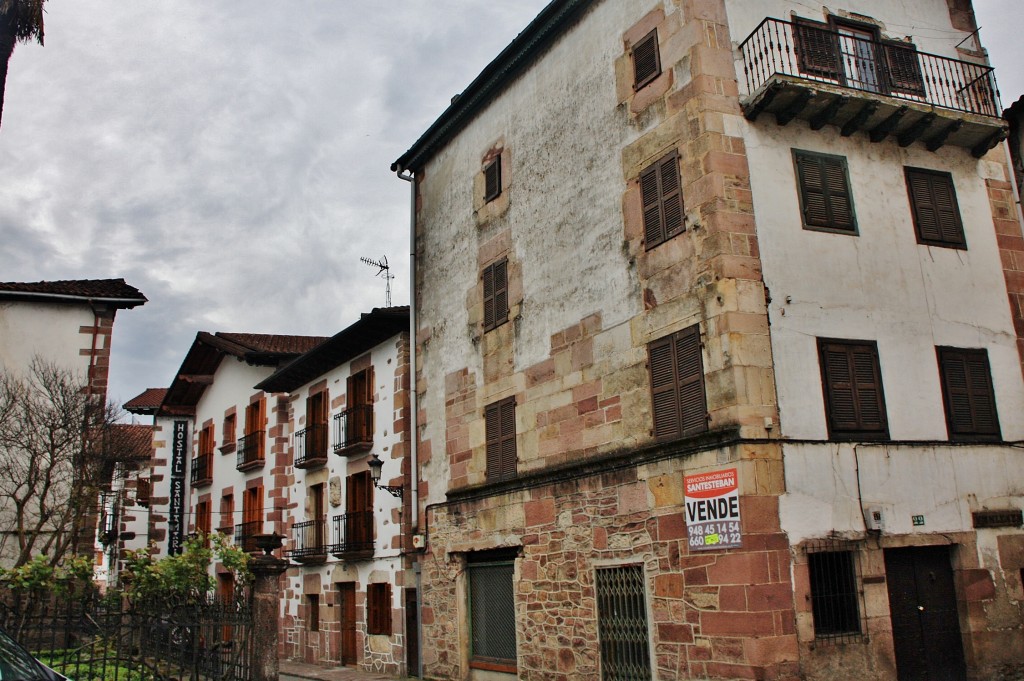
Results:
x,y
492,179
646,60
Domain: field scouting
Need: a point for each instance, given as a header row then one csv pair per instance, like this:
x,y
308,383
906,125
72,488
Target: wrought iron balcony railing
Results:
x,y
353,535
250,451
309,540
353,429
311,446
245,535
877,66
202,470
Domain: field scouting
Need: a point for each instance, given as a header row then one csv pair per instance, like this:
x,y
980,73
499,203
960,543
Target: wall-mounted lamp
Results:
x,y
376,465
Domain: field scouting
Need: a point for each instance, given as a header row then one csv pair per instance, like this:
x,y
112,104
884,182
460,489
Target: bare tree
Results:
x,y
57,450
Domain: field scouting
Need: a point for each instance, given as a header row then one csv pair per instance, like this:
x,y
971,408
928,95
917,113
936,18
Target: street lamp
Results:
x,y
376,465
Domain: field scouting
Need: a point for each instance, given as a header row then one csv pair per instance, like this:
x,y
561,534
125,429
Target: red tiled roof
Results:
x,y
149,399
109,289
273,343
132,442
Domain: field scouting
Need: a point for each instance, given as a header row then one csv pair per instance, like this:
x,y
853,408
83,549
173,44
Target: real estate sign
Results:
x,y
713,510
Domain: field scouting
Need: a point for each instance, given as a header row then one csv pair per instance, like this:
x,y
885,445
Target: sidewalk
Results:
x,y
300,671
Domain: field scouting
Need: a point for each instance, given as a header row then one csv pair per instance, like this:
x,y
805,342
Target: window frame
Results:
x,y
663,210
312,612
491,560
378,609
610,618
495,294
500,440
837,610
829,395
950,234
829,224
978,396
653,70
678,384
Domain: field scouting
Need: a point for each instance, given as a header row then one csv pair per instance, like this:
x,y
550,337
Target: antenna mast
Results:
x,y
383,269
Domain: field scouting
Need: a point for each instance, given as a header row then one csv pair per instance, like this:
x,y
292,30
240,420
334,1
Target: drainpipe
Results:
x,y
414,438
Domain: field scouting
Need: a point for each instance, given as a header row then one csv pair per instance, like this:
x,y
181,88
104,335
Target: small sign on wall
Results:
x,y
713,510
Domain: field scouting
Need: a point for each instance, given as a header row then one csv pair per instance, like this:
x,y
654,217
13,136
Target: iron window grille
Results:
x,y
622,623
311,446
836,598
245,535
309,539
353,533
492,615
250,451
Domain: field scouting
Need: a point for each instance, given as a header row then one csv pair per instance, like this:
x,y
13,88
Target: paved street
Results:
x,y
299,671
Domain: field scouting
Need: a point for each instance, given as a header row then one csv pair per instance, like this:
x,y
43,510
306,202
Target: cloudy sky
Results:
x,y
231,159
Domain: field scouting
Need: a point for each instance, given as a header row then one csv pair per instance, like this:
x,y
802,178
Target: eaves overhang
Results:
x,y
532,42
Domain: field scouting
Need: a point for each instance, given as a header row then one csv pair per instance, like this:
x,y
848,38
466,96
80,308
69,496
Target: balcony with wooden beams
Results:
x,y
850,77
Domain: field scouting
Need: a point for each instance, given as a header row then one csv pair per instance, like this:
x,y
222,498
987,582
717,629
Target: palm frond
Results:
x,y
24,17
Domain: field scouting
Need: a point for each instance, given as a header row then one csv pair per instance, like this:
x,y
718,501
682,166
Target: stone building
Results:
x,y
718,349
347,401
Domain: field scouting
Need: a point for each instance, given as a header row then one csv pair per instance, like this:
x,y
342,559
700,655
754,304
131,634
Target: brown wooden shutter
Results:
x,y
903,67
488,297
677,385
934,207
690,373
662,196
500,292
851,378
492,179
825,191
500,427
968,394
646,60
378,616
817,49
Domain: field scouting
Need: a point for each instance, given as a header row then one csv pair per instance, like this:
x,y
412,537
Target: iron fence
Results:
x,y
870,65
88,636
250,450
353,429
309,538
311,445
353,533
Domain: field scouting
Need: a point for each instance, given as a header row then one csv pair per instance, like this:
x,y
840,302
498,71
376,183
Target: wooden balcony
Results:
x,y
884,88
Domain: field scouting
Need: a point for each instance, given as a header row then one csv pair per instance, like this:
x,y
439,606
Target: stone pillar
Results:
x,y
266,608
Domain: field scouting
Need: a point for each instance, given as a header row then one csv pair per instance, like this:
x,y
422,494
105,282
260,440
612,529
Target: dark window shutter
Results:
x,y
677,385
500,426
495,278
379,609
690,372
852,382
904,69
934,207
646,60
492,179
662,196
825,192
968,394
817,50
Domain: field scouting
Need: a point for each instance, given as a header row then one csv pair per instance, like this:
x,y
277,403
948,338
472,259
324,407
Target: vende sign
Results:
x,y
713,510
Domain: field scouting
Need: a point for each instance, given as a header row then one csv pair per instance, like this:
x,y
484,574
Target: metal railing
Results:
x,y
353,533
353,429
309,538
245,535
250,450
311,445
202,469
884,67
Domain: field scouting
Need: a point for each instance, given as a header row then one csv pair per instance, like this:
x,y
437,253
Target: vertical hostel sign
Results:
x,y
176,512
713,510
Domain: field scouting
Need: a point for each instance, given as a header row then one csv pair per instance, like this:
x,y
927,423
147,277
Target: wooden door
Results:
x,y
412,639
347,621
359,510
925,623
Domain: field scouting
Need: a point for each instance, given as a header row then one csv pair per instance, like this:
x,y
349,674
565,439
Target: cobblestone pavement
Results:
x,y
300,671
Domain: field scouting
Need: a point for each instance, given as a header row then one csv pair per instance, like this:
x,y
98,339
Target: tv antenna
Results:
x,y
383,270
